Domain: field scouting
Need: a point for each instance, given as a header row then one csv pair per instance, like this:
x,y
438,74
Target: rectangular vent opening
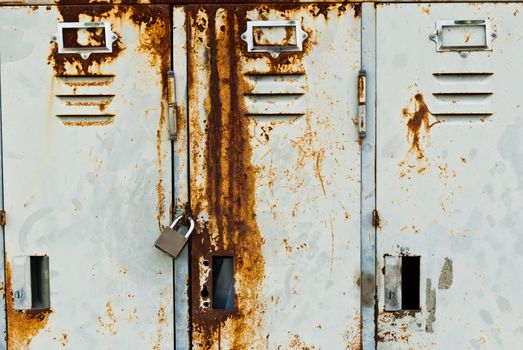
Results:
x,y
83,100
275,94
462,95
93,37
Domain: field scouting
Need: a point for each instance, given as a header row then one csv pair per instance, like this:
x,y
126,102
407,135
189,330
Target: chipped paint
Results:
x,y
430,300
446,275
108,321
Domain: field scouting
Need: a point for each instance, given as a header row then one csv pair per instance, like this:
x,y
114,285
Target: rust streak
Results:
x,y
229,192
418,122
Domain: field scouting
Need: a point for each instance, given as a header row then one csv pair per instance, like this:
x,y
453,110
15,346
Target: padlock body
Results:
x,y
170,242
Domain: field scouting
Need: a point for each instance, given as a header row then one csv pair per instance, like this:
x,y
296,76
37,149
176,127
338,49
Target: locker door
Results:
x,y
449,176
274,176
87,176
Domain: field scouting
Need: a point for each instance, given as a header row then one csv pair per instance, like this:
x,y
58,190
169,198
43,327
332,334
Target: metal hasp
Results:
x,y
274,50
171,81
85,52
362,101
463,36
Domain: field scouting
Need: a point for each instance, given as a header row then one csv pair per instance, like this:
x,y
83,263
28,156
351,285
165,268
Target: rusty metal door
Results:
x,y
274,176
87,176
449,172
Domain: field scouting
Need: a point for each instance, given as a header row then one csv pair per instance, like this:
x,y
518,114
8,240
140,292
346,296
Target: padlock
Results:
x,y
170,241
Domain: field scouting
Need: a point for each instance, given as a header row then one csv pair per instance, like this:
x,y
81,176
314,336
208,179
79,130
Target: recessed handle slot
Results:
x,y
274,37
463,35
402,283
223,282
84,38
31,283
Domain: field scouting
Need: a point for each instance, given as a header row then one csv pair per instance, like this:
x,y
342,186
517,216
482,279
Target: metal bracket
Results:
x,y
85,52
451,35
3,218
274,50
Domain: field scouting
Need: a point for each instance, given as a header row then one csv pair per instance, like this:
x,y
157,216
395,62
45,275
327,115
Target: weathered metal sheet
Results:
x,y
449,177
278,189
368,180
3,320
180,170
91,191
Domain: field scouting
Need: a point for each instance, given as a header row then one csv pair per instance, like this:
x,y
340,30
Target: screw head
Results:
x,y
432,36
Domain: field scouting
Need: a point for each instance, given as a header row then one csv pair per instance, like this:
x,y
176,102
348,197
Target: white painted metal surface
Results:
x,y
297,244
90,191
449,170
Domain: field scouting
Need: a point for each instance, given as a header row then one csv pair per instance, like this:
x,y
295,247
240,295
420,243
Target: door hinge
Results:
x,y
362,102
2,218
375,218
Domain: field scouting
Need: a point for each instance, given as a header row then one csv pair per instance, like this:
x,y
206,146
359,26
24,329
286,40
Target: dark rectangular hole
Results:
x,y
223,282
410,282
40,298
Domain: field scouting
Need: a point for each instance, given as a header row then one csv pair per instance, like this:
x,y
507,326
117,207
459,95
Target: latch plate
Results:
x,y
274,50
463,35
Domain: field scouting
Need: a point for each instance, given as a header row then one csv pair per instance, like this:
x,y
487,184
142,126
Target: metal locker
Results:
x,y
448,174
274,169
87,174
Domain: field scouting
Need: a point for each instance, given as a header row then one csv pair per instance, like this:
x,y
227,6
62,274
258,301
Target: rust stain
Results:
x,y
110,320
88,83
22,326
229,192
105,122
64,339
297,343
394,327
353,336
162,321
288,248
418,124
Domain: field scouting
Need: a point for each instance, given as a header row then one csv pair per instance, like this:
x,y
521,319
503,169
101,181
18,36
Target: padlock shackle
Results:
x,y
191,225
191,228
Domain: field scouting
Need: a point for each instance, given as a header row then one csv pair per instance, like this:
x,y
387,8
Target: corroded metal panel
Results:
x,y
274,178
87,174
181,185
449,170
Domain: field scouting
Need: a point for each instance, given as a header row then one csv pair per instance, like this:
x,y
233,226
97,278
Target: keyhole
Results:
x,y
204,293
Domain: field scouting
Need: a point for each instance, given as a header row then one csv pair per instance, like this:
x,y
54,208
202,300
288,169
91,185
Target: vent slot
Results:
x,y
275,94
83,100
462,95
